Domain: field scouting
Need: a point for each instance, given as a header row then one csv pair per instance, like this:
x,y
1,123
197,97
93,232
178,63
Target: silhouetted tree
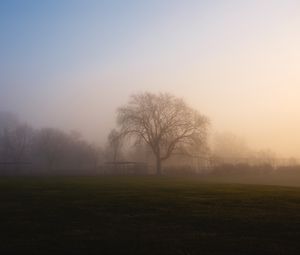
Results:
x,y
163,121
19,142
47,147
8,123
15,139
115,142
50,145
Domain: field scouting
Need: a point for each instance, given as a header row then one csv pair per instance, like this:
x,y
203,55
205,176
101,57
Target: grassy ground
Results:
x,y
146,215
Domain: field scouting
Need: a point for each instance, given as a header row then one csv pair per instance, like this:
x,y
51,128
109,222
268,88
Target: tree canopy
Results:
x,y
164,122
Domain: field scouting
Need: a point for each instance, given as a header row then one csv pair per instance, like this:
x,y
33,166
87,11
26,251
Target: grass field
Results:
x,y
146,215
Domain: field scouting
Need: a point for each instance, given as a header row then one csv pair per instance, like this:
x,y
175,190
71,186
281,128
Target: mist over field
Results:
x,y
69,68
70,65
150,127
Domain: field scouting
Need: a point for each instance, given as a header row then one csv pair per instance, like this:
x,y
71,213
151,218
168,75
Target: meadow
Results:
x,y
146,215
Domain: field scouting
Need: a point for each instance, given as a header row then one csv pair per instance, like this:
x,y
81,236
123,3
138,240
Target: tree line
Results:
x,y
162,122
159,128
44,149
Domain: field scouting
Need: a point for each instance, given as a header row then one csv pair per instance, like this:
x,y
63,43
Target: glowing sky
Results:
x,y
70,64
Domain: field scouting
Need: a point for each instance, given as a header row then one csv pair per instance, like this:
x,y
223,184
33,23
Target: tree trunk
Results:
x,y
158,166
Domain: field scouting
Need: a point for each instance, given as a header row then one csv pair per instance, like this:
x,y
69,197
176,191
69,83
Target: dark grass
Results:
x,y
146,215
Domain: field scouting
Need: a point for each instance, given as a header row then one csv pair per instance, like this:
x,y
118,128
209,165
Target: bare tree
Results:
x,y
163,121
15,139
19,141
8,124
20,144
50,146
115,142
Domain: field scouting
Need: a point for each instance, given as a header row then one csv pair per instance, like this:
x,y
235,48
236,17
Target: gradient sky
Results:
x,y
70,64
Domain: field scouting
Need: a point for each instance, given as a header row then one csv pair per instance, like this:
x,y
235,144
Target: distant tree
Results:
x,y
230,148
50,146
8,123
115,142
57,149
15,139
19,142
80,153
96,155
47,147
266,157
163,121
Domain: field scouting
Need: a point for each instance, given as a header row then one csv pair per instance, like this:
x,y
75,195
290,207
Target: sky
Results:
x,y
71,64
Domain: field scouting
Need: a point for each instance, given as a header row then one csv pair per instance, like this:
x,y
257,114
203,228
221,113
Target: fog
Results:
x,y
70,65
